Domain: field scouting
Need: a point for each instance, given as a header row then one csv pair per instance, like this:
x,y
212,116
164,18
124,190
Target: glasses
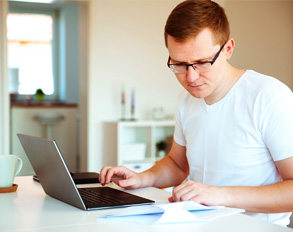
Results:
x,y
199,67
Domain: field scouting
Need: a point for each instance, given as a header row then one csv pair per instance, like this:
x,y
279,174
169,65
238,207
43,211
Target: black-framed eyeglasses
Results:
x,y
200,66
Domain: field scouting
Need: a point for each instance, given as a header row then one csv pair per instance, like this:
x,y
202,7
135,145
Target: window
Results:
x,y
30,53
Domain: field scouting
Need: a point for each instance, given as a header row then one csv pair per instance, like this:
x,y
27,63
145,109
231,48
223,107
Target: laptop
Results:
x,y
57,182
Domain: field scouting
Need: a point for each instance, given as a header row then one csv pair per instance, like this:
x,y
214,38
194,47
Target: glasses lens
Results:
x,y
204,67
177,68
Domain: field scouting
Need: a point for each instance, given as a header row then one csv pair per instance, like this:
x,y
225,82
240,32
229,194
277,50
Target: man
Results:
x,y
233,136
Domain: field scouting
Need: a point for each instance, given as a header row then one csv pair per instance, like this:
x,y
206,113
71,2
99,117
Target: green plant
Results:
x,y
39,95
39,92
161,146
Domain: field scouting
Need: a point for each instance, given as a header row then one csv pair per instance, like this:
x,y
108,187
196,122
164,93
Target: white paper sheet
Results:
x,y
177,212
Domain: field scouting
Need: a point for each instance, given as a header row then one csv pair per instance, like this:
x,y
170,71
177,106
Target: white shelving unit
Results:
x,y
133,143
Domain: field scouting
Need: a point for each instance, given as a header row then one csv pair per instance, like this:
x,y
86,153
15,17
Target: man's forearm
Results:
x,y
274,198
164,173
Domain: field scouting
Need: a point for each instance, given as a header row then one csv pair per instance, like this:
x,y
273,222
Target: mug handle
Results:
x,y
19,166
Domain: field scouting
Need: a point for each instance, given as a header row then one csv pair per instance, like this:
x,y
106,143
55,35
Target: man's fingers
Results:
x,y
103,174
116,171
185,192
107,173
117,174
128,183
179,191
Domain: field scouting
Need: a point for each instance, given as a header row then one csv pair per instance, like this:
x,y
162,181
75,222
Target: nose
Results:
x,y
192,74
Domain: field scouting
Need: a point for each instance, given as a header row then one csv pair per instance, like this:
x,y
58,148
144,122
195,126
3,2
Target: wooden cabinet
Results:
x,y
133,143
23,120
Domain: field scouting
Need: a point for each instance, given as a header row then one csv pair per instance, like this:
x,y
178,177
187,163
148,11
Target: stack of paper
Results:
x,y
186,211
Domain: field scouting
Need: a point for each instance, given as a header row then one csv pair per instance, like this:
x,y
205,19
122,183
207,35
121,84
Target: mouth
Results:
x,y
195,86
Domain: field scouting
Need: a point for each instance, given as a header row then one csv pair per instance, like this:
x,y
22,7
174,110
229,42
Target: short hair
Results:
x,y
190,17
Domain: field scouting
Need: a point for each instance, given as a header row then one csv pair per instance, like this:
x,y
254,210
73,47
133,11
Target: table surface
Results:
x,y
30,209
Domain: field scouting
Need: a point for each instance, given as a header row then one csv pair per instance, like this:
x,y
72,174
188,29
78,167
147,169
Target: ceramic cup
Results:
x,y
10,165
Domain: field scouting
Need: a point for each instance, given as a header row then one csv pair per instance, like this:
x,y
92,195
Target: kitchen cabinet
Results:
x,y
25,119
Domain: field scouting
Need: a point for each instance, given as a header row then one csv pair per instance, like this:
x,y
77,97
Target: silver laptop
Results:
x,y
56,180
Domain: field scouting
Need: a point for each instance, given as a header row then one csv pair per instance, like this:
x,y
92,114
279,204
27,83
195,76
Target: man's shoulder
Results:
x,y
262,79
264,89
261,83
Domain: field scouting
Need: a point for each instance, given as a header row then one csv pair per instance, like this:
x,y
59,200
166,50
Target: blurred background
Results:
x,y
94,60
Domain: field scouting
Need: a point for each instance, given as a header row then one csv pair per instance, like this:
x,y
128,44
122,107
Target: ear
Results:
x,y
229,48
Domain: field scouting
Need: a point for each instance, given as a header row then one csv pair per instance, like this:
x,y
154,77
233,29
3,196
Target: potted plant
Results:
x,y
161,148
40,95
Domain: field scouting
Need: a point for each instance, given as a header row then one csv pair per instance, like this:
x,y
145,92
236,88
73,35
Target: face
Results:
x,y
210,84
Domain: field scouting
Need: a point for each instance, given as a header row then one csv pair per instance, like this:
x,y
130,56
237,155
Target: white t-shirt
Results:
x,y
235,141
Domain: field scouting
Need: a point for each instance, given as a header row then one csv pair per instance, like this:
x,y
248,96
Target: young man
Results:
x,y
233,137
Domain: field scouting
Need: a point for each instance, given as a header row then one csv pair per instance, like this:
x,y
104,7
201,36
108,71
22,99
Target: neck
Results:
x,y
229,78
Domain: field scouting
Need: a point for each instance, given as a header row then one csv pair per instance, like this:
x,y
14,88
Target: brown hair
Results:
x,y
190,17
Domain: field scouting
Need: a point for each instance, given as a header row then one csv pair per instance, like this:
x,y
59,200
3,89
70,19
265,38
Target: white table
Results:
x,y
31,210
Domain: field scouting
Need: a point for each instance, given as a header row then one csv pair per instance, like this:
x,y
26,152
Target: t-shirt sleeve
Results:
x,y
277,124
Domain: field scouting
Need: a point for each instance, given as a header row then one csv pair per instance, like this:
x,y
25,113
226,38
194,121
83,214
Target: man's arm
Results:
x,y
274,198
169,171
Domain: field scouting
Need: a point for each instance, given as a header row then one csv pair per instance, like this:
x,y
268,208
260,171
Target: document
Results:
x,y
177,212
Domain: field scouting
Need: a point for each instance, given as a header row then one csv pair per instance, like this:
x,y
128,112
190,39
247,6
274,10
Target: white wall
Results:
x,y
263,31
126,46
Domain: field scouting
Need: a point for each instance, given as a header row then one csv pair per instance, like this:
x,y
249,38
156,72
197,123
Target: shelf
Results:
x,y
135,142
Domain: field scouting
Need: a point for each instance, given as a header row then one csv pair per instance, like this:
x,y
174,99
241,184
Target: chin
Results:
x,y
197,94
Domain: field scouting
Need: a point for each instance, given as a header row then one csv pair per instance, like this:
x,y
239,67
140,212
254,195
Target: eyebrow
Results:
x,y
193,62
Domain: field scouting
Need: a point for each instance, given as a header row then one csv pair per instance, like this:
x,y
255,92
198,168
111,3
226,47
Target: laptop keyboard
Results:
x,y
95,196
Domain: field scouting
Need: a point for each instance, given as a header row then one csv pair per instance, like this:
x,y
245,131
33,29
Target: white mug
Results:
x,y
10,165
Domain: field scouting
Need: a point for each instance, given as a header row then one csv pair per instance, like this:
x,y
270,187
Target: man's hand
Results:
x,y
121,176
200,193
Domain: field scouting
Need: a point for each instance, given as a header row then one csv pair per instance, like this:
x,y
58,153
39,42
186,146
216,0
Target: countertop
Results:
x,y
44,104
